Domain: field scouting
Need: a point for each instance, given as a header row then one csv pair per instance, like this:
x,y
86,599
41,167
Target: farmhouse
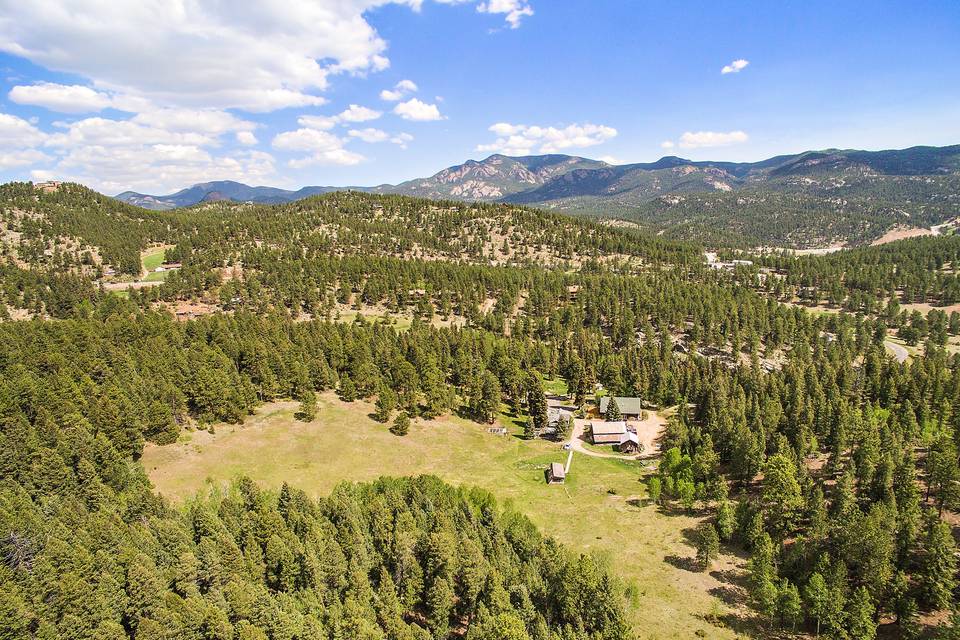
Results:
x,y
556,474
629,407
602,432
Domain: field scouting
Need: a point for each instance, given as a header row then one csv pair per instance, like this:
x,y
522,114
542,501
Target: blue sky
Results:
x,y
154,98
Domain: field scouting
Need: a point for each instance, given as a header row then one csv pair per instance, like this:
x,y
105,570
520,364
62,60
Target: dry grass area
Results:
x,y
601,509
901,233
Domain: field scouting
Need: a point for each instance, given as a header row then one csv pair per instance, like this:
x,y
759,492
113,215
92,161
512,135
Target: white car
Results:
x,y
567,446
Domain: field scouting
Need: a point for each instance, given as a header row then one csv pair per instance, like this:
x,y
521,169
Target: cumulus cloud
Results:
x,y
667,144
323,123
60,97
201,53
353,113
701,139
207,121
373,136
246,138
369,135
15,158
356,113
418,110
17,132
154,152
322,147
401,139
735,67
513,10
521,139
158,168
399,90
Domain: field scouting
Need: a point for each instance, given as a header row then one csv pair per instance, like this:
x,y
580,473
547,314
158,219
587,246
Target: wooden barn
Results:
x,y
602,432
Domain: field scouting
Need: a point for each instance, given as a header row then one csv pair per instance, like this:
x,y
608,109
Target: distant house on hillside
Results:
x,y
629,407
602,432
556,474
49,186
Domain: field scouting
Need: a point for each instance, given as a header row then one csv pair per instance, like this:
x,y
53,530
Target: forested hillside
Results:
x,y
804,200
795,436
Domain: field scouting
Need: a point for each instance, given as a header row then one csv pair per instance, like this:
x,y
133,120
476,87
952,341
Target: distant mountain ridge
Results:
x,y
582,184
219,190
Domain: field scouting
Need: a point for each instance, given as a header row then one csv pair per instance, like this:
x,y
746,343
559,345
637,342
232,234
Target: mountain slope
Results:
x,y
804,199
494,178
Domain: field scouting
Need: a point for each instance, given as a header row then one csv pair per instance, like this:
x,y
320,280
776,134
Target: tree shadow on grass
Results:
x,y
686,564
730,596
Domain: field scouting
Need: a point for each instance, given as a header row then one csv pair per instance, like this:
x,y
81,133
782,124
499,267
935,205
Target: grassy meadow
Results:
x,y
601,509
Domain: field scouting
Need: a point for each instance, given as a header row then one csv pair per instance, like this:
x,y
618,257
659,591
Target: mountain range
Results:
x,y
855,195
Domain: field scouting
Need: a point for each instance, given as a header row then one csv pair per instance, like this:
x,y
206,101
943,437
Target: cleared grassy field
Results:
x,y
153,257
601,509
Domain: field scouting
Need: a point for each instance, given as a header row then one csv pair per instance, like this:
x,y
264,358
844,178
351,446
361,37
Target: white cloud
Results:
x,y
154,152
60,97
104,132
201,53
667,144
323,148
414,109
369,135
17,132
735,67
353,113
399,90
159,168
521,140
515,10
323,123
12,158
402,139
373,136
208,121
700,139
246,138
356,113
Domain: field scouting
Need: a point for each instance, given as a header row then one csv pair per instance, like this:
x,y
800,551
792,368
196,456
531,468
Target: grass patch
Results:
x,y
555,386
153,257
601,509
156,276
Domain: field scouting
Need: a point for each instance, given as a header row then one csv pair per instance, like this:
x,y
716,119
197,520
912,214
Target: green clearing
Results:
x,y
555,386
153,257
601,509
156,276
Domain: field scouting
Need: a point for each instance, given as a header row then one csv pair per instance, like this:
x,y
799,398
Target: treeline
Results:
x,y
841,475
867,279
